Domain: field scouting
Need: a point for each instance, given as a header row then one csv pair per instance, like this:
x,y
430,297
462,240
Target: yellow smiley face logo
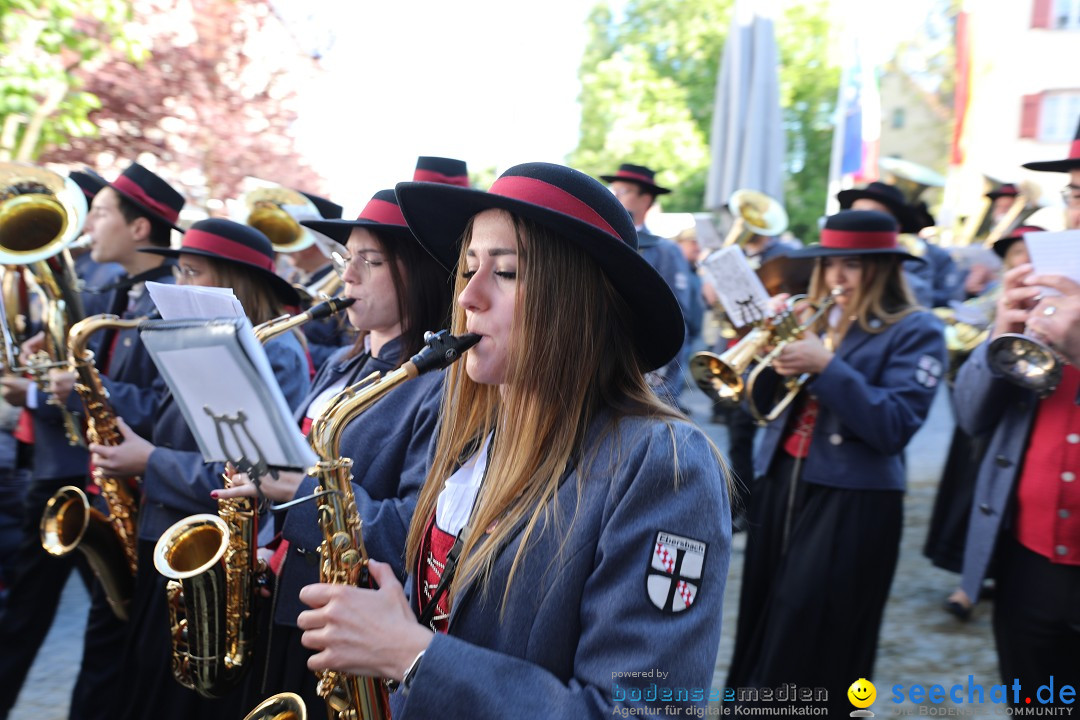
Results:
x,y
862,693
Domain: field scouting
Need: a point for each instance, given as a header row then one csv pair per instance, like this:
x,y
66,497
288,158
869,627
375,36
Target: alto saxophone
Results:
x,y
344,559
110,545
213,571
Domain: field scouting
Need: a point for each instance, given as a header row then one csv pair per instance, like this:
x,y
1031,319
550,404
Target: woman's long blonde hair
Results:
x,y
883,295
570,356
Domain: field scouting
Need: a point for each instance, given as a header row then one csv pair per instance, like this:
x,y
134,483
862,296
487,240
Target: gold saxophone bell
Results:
x,y
274,210
283,706
69,523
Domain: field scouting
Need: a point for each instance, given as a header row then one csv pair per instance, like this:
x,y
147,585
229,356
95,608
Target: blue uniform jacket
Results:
x,y
874,394
580,609
668,260
389,444
986,401
177,482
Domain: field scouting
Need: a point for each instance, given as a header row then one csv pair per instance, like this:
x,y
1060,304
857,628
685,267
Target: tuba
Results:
x,y
755,213
41,216
110,545
721,376
344,560
276,212
213,572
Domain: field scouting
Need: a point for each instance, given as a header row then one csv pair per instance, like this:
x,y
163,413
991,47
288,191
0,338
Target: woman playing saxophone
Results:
x,y
176,481
399,292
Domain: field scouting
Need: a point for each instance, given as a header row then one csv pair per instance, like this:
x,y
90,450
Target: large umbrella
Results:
x,y
747,143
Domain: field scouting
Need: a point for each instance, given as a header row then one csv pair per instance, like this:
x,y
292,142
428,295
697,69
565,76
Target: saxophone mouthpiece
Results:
x,y
442,350
329,307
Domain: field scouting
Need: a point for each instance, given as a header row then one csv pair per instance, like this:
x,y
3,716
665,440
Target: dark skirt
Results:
x,y
819,563
150,690
947,534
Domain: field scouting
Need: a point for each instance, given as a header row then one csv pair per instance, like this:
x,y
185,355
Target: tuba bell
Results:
x,y
41,216
276,212
755,213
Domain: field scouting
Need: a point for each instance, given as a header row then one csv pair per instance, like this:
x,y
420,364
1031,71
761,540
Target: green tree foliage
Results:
x,y
648,81
42,44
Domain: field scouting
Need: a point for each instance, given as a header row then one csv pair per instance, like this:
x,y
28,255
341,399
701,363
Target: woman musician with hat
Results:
x,y
176,482
825,521
571,525
399,291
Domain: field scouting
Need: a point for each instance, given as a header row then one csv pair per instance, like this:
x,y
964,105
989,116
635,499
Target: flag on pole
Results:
x,y
856,129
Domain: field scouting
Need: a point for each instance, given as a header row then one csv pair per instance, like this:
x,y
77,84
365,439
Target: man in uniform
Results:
x,y
636,189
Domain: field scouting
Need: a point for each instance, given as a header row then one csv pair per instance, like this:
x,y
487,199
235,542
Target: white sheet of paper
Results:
x,y
1055,253
176,302
740,290
242,380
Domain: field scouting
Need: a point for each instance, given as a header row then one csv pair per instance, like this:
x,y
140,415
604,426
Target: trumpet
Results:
x,y
1027,362
721,376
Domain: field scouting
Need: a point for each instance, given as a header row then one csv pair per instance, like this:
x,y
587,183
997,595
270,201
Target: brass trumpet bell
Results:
x,y
283,706
276,212
720,376
1026,362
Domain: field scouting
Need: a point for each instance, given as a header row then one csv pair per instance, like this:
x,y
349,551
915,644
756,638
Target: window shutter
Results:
x,y
1029,115
1040,13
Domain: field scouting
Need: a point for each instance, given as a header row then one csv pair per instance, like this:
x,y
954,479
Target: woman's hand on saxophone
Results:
x,y
128,458
280,490
360,631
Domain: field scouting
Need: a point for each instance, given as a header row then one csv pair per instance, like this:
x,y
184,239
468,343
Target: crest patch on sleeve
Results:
x,y
928,371
674,573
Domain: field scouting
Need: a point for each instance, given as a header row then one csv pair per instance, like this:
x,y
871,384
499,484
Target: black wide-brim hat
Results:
x,y
889,196
155,196
1002,246
639,175
88,181
579,209
381,215
856,232
236,243
1070,163
449,171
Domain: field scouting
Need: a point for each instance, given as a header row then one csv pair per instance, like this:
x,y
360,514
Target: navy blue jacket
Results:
x,y
389,445
177,482
874,395
592,596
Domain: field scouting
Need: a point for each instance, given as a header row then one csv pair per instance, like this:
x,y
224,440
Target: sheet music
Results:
x,y
740,290
1055,253
176,302
218,369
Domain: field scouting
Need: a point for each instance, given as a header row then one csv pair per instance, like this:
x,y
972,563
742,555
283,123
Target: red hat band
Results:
x,y
195,239
538,192
127,185
855,240
437,177
636,177
382,212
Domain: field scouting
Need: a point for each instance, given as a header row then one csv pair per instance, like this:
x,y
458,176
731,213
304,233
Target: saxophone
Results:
x,y
110,545
344,559
213,571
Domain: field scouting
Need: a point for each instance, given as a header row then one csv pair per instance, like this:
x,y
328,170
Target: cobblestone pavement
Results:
x,y
920,643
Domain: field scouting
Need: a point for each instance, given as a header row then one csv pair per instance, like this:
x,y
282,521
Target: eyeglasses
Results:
x,y
362,265
185,273
1071,195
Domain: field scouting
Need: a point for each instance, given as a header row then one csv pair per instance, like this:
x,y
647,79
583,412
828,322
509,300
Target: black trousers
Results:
x,y
1036,621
